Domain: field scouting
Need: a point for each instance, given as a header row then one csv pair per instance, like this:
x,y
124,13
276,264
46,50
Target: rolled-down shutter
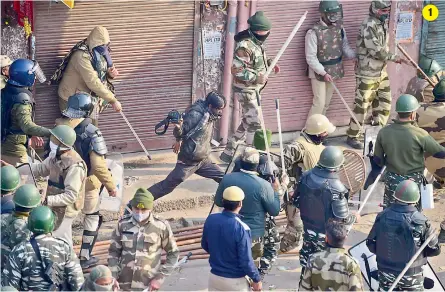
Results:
x,y
292,86
152,47
435,42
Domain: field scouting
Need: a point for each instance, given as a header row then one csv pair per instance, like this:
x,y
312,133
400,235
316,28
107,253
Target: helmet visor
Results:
x,y
38,72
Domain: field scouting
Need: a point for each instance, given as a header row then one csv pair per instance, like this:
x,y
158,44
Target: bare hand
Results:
x,y
357,217
4,163
328,78
276,69
116,286
398,60
257,286
36,142
112,193
261,79
117,106
285,179
154,285
176,147
276,185
112,72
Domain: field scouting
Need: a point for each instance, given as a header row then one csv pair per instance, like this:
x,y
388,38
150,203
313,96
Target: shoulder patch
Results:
x,y
245,226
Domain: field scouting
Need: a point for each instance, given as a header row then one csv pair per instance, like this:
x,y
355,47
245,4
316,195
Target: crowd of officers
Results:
x,y
242,240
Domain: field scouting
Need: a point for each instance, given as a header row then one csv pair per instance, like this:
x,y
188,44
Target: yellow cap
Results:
x,y
234,194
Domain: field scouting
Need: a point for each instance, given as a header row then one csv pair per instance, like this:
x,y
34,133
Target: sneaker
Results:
x,y
355,143
225,157
85,264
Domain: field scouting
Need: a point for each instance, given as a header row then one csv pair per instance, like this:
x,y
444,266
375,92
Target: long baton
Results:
x,y
286,43
347,107
135,135
422,247
415,65
280,136
263,126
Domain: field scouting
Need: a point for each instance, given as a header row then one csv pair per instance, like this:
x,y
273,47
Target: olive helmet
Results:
x,y
41,220
407,103
64,134
10,178
331,158
407,192
27,196
439,91
429,66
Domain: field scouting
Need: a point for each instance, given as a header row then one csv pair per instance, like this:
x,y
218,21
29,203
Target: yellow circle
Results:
x,y
430,12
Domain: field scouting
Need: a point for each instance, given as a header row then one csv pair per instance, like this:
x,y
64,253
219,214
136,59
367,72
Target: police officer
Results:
x,y
66,184
10,181
326,46
397,234
320,189
18,112
5,62
136,245
418,86
90,145
249,68
372,81
15,229
401,147
302,154
332,269
45,263
100,279
228,241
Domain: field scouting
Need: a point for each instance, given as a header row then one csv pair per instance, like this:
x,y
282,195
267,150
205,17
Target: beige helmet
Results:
x,y
317,124
5,61
234,194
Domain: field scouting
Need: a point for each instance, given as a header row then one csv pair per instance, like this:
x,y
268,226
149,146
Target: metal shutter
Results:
x,y
152,47
435,42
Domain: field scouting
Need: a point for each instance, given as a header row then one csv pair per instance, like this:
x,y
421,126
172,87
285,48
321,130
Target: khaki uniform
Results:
x,y
66,187
134,256
80,74
421,89
304,155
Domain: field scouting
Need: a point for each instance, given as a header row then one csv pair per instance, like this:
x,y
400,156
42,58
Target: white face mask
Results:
x,y
54,148
103,287
139,217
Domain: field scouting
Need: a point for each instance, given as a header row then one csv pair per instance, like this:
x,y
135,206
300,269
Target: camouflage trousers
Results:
x,y
257,249
294,229
271,241
249,123
407,283
392,180
312,242
374,92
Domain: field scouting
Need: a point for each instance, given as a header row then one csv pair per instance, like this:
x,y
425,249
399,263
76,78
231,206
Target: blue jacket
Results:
x,y
259,199
227,239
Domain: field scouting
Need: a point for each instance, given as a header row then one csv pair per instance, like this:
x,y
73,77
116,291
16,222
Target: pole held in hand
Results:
x,y
135,135
348,108
415,65
280,136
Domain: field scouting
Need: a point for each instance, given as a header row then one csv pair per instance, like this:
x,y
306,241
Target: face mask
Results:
x,y
103,51
333,17
261,38
317,139
139,217
383,17
103,288
54,149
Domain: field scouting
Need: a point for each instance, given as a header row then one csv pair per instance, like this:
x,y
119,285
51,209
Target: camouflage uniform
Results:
x,y
135,252
313,242
24,272
303,155
249,61
332,270
14,231
271,241
421,89
407,283
431,119
372,81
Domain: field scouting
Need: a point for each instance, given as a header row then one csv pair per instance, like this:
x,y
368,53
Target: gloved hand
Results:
x,y
433,242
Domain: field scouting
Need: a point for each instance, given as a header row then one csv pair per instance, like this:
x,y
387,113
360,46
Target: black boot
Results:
x,y
88,241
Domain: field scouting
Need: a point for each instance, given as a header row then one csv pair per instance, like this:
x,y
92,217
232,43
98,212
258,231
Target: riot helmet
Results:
x,y
23,73
439,91
65,135
331,11
27,196
10,178
407,192
407,103
41,220
80,105
429,66
331,158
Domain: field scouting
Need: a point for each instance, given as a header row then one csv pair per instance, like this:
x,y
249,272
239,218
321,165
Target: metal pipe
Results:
x,y
348,108
135,135
227,75
415,65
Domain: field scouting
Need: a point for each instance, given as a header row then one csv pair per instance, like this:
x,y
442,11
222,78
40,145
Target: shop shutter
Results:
x,y
435,43
152,47
292,86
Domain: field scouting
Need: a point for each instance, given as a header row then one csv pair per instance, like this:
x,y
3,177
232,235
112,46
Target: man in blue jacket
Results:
x,y
260,197
228,241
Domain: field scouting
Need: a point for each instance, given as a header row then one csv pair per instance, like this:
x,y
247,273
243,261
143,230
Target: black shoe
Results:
x,y
442,236
225,157
85,264
355,143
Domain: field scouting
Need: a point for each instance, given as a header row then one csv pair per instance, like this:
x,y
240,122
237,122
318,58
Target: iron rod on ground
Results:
x,y
415,65
135,135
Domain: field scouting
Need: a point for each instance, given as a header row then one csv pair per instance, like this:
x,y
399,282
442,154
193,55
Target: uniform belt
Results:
x,y
332,62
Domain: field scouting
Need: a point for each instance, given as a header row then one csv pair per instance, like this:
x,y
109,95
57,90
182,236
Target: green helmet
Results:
x,y
429,66
327,6
407,103
27,196
10,178
331,158
41,220
407,192
439,91
64,134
